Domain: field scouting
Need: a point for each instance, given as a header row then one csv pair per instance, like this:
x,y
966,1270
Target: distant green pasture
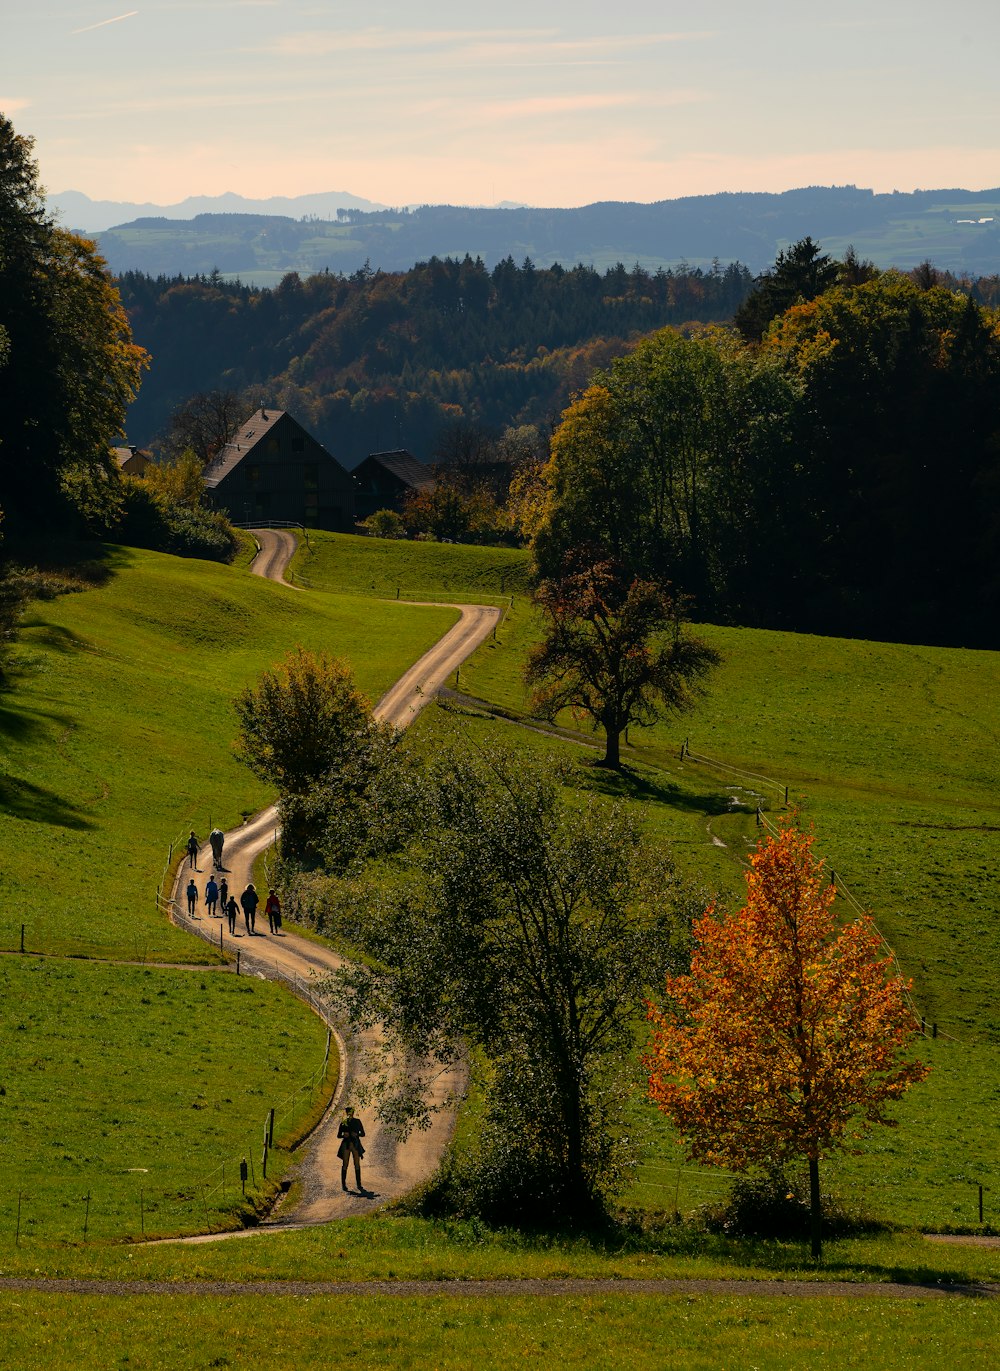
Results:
x,y
115,737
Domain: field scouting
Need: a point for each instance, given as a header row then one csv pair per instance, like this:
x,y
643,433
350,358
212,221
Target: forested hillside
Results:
x,y
389,359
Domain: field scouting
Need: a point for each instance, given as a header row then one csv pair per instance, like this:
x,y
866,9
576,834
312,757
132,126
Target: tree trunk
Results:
x,y
815,1209
612,752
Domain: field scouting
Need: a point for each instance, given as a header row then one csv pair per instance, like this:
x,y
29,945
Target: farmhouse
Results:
x,y
384,479
274,469
131,461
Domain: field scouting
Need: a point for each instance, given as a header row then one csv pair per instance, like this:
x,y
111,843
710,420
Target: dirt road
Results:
x,y
390,1168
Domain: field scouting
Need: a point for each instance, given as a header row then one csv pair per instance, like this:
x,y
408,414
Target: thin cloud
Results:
x,y
11,105
474,42
104,22
539,105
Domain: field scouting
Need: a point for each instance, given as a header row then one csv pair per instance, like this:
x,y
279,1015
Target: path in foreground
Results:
x,y
503,1288
390,1169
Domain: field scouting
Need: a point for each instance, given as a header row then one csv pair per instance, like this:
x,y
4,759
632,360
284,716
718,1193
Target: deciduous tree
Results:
x,y
617,650
785,1040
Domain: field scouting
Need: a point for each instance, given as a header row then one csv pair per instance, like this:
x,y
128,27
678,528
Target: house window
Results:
x,y
310,476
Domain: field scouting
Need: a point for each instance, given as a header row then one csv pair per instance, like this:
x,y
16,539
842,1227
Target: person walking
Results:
x,y
351,1131
232,909
249,900
192,894
217,841
211,896
273,911
223,894
192,850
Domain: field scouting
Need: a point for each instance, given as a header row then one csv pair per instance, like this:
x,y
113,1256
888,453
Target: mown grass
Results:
x,y
381,567
116,736
135,1086
687,1332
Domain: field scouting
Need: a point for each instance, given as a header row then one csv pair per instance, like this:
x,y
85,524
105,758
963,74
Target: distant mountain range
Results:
x,y
77,211
261,241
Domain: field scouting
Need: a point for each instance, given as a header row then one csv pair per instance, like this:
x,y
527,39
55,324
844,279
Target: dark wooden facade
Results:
x,y
384,479
274,469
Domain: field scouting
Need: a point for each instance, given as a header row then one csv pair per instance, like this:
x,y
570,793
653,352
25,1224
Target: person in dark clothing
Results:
x,y
192,850
192,894
223,894
211,896
351,1131
232,909
273,911
249,900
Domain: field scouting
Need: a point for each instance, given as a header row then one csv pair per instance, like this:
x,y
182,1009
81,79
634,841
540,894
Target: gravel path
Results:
x,y
390,1168
506,1289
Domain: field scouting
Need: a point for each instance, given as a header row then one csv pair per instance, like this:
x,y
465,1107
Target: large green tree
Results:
x,y
800,272
616,649
71,367
523,927
672,464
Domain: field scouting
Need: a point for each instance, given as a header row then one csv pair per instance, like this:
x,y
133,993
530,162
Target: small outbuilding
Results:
x,y
274,470
131,461
384,479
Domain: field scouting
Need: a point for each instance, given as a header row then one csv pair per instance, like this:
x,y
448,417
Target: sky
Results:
x,y
551,103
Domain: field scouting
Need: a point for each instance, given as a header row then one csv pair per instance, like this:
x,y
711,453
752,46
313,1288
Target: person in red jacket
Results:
x,y
273,911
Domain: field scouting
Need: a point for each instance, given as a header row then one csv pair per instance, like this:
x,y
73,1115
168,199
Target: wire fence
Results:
x,y
924,1025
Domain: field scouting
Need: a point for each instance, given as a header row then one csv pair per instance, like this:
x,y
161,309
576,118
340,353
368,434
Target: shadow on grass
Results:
x,y
635,785
22,800
59,638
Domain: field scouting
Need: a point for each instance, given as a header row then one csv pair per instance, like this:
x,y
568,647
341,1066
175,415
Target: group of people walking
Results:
x,y
220,902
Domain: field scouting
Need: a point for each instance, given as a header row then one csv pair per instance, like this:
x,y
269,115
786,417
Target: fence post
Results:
x,y
17,1231
220,937
86,1216
22,937
243,1175
237,961
142,1214
270,1127
263,1159
758,816
786,796
934,1030
980,1204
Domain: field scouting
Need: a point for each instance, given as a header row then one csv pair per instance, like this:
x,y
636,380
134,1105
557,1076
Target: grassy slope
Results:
x,y
115,738
892,752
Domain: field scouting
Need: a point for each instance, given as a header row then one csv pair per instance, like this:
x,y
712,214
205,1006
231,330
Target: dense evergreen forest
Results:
x,y
381,360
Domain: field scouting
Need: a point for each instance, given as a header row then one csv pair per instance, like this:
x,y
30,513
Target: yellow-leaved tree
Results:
x,y
786,1039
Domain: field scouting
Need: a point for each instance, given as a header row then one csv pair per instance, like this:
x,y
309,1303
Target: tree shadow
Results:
x,y
629,784
20,799
56,636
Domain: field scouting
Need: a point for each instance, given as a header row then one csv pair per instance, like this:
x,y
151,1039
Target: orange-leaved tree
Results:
x,y
786,1039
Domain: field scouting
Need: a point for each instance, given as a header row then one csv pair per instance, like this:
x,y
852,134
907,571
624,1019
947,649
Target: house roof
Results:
x,y
257,427
125,454
403,465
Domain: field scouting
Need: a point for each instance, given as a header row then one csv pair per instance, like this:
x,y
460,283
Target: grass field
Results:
x,y
683,1332
893,753
178,1071
876,739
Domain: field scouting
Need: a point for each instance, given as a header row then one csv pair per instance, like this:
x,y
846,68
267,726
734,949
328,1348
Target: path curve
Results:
x,y
390,1168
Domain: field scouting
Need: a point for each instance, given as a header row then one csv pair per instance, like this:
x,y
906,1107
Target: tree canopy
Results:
x,y
784,1041
69,370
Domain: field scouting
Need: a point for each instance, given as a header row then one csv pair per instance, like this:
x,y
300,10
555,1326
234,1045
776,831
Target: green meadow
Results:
x,y
116,738
687,1332
892,752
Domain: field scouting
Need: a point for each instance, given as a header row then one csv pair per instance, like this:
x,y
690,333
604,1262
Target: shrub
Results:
x,y
156,520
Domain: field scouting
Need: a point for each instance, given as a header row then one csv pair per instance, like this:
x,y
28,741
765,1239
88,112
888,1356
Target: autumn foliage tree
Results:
x,y
615,649
785,1040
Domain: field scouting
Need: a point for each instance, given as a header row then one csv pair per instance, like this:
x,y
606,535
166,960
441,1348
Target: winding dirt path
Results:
x,y
390,1168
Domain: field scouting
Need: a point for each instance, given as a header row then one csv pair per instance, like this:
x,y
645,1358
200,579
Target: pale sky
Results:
x,y
556,102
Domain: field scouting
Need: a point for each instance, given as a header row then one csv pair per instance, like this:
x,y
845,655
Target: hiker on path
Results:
x,y
192,894
249,900
232,909
211,896
351,1130
217,840
223,894
273,911
192,850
